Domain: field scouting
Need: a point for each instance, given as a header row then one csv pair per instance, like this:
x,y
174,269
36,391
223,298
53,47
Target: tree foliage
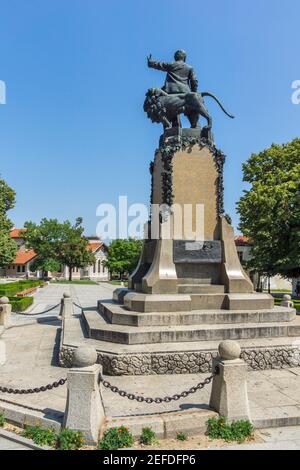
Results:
x,y
8,246
270,209
58,244
123,255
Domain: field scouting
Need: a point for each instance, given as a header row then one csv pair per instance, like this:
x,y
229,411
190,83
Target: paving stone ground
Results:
x,y
7,444
32,348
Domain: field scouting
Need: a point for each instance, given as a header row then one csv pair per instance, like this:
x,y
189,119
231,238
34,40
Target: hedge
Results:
x,y
11,288
19,304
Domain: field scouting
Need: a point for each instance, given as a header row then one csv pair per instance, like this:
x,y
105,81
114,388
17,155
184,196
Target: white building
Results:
x,y
21,266
243,247
96,272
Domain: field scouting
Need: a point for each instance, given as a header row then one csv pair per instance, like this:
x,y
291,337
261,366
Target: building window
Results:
x,y
240,255
94,268
23,269
99,266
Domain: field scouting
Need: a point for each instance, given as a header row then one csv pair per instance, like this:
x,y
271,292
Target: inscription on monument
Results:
x,y
197,251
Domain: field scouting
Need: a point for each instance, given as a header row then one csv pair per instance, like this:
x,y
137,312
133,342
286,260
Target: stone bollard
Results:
x,y
229,396
287,301
84,408
5,311
66,307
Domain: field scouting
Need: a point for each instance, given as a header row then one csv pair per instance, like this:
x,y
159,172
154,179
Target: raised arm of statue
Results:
x,y
153,64
193,81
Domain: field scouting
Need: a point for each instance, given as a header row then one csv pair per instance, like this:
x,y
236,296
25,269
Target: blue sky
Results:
x,y
73,133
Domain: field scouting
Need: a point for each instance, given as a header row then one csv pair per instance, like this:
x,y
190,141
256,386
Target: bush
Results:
x,y
64,440
148,437
11,288
116,438
69,440
19,304
218,428
41,437
2,420
181,436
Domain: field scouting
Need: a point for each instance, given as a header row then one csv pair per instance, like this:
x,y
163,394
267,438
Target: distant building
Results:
x,y
21,266
243,246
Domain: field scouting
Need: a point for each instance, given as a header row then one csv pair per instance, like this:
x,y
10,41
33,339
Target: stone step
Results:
x,y
174,358
146,303
118,315
97,329
200,289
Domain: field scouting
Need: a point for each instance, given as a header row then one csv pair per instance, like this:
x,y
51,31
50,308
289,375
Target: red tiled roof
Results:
x,y
94,246
241,240
17,232
22,257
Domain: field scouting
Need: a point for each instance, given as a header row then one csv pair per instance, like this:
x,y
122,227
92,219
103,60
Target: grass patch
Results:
x,y
148,437
284,291
77,281
181,436
2,420
116,438
118,283
219,428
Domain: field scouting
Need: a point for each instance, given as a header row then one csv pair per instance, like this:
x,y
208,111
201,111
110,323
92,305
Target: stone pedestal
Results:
x,y
229,396
5,311
84,408
195,248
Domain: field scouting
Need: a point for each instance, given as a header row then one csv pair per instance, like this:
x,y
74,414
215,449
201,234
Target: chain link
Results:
x,y
39,313
78,306
140,398
27,391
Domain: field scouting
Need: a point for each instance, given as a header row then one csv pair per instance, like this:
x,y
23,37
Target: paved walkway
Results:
x,y
7,444
271,393
32,346
32,357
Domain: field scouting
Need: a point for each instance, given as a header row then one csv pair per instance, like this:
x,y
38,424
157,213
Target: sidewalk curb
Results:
x,y
22,416
11,436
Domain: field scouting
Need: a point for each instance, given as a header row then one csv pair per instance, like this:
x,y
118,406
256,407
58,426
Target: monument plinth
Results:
x,y
187,185
189,290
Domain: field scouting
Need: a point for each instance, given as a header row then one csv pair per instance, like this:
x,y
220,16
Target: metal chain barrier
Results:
x,y
140,399
27,391
78,306
39,313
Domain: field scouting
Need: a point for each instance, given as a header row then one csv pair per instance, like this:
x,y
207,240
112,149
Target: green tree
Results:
x,y
270,209
8,246
58,244
123,256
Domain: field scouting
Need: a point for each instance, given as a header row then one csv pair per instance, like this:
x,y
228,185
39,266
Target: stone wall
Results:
x,y
187,362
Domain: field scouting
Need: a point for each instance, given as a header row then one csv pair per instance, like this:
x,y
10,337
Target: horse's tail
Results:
x,y
206,93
